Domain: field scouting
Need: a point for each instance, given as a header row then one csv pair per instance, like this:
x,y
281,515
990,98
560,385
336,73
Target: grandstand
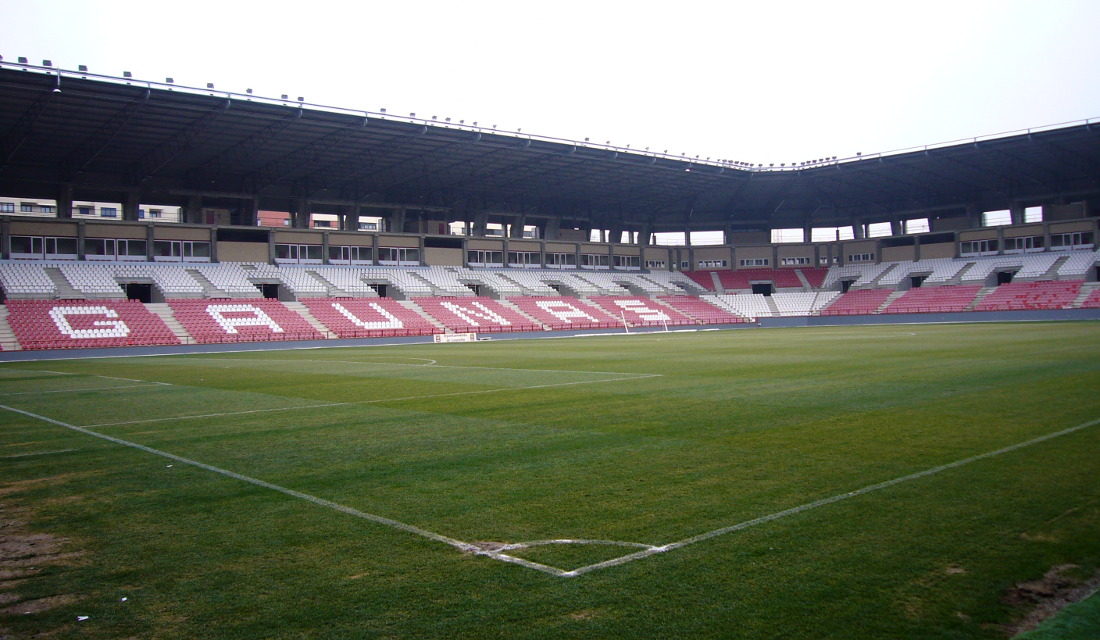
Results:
x,y
322,302
211,273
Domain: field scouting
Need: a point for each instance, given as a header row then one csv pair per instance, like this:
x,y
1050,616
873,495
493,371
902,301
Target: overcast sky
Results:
x,y
758,81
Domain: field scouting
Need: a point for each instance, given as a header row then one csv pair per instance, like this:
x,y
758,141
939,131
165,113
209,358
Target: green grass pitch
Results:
x,y
371,492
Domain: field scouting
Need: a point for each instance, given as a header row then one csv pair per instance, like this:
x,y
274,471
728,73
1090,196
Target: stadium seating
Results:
x,y
702,278
229,277
641,312
93,280
446,281
1078,263
84,324
241,320
742,279
1016,296
368,317
857,302
1092,301
945,299
815,276
674,282
802,303
862,274
560,313
173,281
26,280
748,305
475,315
701,310
347,280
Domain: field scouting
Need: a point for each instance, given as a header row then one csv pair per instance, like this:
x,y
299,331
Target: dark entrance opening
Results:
x,y
763,288
1004,277
916,281
142,292
381,289
845,285
269,290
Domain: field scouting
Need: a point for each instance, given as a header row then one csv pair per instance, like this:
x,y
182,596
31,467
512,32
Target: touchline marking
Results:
x,y
375,401
679,544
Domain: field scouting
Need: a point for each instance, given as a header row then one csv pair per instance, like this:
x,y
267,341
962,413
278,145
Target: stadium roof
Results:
x,y
108,136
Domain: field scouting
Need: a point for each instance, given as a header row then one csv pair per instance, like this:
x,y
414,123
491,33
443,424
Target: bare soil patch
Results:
x,y
1047,596
25,554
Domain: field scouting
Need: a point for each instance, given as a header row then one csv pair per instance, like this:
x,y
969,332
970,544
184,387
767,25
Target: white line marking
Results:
x,y
37,453
361,402
824,501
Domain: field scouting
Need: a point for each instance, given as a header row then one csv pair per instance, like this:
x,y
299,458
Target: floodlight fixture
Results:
x,y
169,80
209,85
286,97
47,63
22,60
248,91
301,99
383,110
82,68
127,74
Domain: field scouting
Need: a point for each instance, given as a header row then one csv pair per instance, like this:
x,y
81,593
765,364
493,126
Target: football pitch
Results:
x,y
834,482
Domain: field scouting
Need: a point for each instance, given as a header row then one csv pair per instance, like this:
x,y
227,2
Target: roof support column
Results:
x,y
896,228
352,219
481,223
974,215
1016,212
65,202
645,236
192,210
615,234
859,230
250,212
516,231
552,229
300,213
131,206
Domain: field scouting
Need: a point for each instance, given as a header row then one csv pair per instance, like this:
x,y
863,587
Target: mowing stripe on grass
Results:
x,y
127,386
375,401
824,501
37,453
433,364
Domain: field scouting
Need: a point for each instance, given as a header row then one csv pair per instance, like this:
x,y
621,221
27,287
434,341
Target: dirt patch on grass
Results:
x,y
1047,596
25,554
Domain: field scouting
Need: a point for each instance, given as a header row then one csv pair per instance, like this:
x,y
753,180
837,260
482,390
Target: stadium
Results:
x,y
281,369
